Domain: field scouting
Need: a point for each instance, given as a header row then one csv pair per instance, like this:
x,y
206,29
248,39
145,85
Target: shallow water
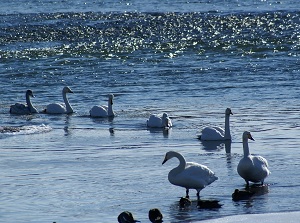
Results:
x,y
192,64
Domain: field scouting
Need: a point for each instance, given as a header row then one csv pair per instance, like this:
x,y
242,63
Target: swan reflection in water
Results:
x,y
165,131
217,145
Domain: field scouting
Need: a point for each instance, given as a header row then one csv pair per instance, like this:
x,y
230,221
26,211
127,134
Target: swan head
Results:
x,y
29,93
126,217
67,90
169,155
110,98
247,135
165,115
228,111
155,215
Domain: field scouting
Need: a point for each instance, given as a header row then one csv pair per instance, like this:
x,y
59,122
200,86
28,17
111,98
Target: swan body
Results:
x,y
218,133
155,216
252,168
103,111
22,109
56,108
189,175
126,217
159,122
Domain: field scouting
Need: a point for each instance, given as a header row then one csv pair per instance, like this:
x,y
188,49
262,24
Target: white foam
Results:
x,y
286,217
25,130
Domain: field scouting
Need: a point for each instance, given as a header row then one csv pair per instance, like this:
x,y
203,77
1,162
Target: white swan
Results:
x,y
189,175
56,108
103,111
252,168
155,121
217,133
22,109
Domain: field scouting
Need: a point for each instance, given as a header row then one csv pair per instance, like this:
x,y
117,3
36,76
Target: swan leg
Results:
x,y
247,183
187,193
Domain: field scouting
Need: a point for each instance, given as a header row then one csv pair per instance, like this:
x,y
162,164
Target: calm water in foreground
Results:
x,y
189,59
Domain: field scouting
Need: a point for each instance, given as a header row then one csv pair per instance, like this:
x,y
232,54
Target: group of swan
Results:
x,y
57,108
190,175
154,121
54,108
187,174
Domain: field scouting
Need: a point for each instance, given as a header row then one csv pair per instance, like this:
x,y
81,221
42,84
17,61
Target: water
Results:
x,y
192,59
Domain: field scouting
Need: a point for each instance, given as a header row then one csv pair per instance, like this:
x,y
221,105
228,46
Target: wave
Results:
x,y
24,130
109,34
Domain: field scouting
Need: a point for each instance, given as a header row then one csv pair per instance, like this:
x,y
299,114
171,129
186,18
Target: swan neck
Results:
x,y
246,147
68,106
227,127
29,104
181,166
110,111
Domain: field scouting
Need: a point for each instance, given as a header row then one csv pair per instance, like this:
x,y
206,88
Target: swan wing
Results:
x,y
19,108
212,133
195,176
253,168
154,121
261,166
55,108
99,111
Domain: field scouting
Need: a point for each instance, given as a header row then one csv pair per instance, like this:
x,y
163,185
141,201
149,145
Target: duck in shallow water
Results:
x,y
208,204
184,202
155,216
126,217
238,195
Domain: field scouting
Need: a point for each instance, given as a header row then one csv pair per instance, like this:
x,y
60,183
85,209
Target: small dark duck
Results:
x,y
184,202
241,195
208,204
126,217
155,216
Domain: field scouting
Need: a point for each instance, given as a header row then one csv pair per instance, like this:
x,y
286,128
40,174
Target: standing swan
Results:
x,y
217,133
22,109
159,122
56,108
189,175
103,111
252,168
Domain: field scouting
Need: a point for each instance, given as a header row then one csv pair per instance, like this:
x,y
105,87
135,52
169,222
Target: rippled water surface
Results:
x,y
191,59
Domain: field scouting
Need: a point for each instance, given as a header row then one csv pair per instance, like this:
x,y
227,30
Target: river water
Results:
x,y
191,59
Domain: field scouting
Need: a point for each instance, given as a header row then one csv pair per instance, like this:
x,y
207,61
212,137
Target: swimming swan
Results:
x,y
159,122
252,168
23,109
56,108
217,133
189,175
103,111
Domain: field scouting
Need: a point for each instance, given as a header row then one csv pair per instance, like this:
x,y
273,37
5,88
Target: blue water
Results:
x,y
191,59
